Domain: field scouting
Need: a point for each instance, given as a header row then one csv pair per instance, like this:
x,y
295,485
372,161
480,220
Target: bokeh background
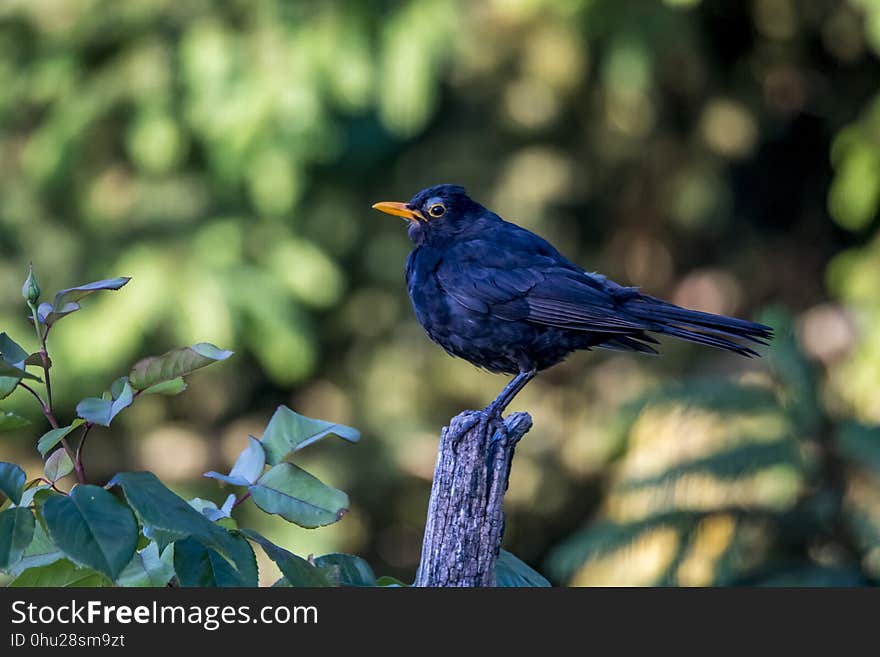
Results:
x,y
724,155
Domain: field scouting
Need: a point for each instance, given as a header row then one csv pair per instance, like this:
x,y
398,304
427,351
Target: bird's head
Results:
x,y
435,212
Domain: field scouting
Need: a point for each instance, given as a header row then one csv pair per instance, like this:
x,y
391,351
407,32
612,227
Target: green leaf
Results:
x,y
11,351
93,528
296,570
229,479
174,364
7,370
299,497
210,510
387,580
247,468
289,431
251,462
16,533
7,385
66,301
12,480
102,411
172,387
61,573
58,465
41,552
346,569
512,572
51,438
33,495
148,568
36,360
13,355
117,388
198,565
10,421
167,517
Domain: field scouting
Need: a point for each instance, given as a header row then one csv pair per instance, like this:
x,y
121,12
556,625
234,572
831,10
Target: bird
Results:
x,y
506,300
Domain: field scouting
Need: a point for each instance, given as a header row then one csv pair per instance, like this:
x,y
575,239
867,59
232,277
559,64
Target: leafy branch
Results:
x,y
135,531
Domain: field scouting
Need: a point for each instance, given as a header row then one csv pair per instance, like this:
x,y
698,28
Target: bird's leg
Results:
x,y
489,419
496,408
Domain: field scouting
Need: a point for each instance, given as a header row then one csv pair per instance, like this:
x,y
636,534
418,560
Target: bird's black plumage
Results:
x,y
505,299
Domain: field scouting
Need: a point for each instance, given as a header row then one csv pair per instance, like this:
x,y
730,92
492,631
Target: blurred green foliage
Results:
x,y
720,154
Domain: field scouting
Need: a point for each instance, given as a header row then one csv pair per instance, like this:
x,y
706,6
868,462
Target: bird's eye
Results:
x,y
437,210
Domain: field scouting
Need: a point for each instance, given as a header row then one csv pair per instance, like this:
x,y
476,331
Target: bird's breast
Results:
x,y
479,337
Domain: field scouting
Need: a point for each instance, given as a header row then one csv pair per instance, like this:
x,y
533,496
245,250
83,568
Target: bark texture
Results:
x,y
466,513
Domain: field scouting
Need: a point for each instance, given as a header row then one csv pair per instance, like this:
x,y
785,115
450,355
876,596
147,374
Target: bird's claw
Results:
x,y
489,425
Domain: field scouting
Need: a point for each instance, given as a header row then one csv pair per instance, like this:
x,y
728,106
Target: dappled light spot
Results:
x,y
647,262
786,89
715,462
665,437
776,19
324,399
863,502
111,196
827,332
234,439
189,449
274,183
391,384
710,539
728,128
641,563
584,452
629,112
695,197
407,72
556,54
774,488
531,178
380,306
531,103
842,34
709,290
417,455
525,482
307,272
156,143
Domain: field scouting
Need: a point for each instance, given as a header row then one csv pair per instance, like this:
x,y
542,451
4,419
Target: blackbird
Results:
x,y
506,300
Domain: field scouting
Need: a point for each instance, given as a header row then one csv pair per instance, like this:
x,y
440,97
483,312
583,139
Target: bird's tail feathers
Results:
x,y
700,327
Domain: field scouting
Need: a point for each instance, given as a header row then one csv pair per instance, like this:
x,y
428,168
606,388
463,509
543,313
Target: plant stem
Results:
x,y
47,411
241,499
36,318
44,358
77,462
46,404
52,484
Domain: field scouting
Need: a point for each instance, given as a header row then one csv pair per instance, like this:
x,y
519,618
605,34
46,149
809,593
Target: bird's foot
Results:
x,y
485,423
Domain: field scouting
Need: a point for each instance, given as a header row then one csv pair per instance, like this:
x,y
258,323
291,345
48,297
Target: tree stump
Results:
x,y
465,522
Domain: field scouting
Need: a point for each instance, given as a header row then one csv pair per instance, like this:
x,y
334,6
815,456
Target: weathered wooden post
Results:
x,y
466,513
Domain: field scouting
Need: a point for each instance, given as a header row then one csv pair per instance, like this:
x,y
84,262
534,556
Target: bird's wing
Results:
x,y
530,281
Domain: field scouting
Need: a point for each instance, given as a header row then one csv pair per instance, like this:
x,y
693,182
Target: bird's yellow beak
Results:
x,y
399,210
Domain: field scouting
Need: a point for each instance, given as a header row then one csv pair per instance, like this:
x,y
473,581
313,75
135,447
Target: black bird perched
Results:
x,y
506,300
